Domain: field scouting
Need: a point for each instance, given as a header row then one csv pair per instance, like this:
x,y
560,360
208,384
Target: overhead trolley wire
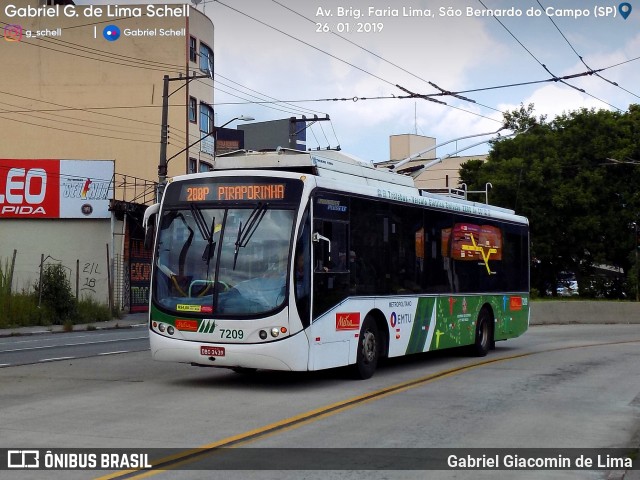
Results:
x,y
426,97
582,58
555,77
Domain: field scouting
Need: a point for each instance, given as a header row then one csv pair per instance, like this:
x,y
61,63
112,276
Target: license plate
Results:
x,y
212,351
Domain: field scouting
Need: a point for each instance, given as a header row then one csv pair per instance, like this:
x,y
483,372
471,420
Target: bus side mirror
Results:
x,y
149,224
150,234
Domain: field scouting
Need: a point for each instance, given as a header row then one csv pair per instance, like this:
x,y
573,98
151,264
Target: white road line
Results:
x,y
114,353
5,365
55,359
12,341
72,344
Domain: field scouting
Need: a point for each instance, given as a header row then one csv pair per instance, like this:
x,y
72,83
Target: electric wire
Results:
x,y
267,96
380,57
582,58
556,78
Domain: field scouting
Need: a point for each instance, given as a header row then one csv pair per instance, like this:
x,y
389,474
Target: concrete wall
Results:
x,y
79,245
563,312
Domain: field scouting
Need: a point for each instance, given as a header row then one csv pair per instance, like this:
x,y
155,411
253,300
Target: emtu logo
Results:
x,y
111,33
13,33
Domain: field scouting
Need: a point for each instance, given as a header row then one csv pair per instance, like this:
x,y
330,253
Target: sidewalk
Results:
x,y
127,321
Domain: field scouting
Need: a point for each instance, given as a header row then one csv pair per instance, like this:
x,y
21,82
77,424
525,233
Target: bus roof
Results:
x,y
341,167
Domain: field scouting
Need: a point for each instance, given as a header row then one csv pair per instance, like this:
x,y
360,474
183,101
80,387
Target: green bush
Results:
x,y
56,295
57,303
90,311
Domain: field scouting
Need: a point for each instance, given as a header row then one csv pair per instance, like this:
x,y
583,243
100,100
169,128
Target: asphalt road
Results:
x,y
574,386
49,347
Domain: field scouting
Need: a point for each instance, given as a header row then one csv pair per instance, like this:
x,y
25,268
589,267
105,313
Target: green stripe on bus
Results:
x,y
421,323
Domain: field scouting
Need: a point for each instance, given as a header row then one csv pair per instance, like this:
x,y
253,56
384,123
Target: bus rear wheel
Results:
x,y
369,347
484,334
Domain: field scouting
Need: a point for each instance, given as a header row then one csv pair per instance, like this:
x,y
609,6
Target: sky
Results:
x,y
304,52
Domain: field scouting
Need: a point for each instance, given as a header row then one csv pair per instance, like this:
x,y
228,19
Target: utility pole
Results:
x,y
164,129
636,248
162,164
164,161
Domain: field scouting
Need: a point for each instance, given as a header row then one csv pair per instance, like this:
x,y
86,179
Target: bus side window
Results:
x,y
331,246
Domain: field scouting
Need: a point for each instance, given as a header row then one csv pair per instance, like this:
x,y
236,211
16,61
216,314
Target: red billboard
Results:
x,y
55,188
29,189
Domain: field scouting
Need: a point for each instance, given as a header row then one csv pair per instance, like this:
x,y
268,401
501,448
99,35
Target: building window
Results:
x,y
206,59
205,167
193,110
193,51
193,165
206,118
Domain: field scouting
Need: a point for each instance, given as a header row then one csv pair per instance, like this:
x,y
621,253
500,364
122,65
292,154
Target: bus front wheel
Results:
x,y
369,347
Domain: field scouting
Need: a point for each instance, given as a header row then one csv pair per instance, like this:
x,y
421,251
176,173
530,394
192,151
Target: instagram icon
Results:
x,y
13,33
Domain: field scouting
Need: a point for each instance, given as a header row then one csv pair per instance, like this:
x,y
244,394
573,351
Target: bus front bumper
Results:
x,y
290,354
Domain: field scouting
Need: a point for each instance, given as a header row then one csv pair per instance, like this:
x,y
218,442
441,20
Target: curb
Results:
x,y
129,321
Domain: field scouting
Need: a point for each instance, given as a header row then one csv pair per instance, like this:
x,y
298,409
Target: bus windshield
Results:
x,y
233,261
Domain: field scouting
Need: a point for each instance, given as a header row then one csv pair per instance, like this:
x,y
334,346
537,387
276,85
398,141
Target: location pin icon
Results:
x,y
624,9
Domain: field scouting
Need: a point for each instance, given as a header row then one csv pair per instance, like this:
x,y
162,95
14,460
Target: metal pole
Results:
x,y
637,266
40,282
13,266
162,164
109,280
78,279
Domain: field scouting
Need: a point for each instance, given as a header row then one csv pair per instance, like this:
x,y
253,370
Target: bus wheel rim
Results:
x,y
369,346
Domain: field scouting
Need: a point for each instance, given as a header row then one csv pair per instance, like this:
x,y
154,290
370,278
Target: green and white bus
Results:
x,y
304,261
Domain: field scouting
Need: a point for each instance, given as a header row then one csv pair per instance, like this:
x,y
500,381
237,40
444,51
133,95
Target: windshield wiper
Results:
x,y
245,233
201,222
206,232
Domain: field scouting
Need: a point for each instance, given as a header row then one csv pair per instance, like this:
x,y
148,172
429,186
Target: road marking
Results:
x,y
193,455
114,353
38,338
5,365
41,347
55,359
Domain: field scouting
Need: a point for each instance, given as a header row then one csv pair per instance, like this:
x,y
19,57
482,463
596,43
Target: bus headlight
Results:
x,y
161,327
170,330
275,331
263,335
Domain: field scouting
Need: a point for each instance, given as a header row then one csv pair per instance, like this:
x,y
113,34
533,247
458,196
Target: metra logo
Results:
x,y
348,321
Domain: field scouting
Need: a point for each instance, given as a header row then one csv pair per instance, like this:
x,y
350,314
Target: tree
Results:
x,y
56,294
576,180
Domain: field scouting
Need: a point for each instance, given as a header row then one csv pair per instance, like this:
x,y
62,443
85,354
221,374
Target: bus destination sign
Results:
x,y
221,192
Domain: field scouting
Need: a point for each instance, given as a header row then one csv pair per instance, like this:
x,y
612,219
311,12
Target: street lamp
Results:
x,y
164,161
215,130
212,132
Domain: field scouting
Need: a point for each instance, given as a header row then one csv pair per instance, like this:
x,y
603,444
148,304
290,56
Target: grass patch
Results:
x,y
57,305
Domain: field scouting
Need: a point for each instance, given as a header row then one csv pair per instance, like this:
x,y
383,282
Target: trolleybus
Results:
x,y
304,261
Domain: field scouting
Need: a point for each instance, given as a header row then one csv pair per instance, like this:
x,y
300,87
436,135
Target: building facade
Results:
x,y
86,82
439,177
